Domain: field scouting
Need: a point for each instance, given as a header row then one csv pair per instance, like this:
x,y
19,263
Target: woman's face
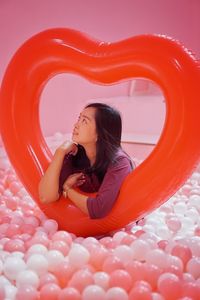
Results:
x,y
84,132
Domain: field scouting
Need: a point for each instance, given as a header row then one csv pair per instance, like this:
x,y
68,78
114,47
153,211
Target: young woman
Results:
x,y
93,162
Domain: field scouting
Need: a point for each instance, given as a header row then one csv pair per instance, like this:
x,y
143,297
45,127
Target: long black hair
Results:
x,y
109,129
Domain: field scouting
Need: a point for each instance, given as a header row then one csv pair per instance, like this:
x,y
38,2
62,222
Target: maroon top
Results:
x,y
107,190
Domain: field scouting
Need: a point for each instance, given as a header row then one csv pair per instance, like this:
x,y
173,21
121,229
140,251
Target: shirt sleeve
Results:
x,y
101,205
66,170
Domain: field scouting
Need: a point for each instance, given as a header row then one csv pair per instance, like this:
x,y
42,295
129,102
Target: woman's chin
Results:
x,y
74,139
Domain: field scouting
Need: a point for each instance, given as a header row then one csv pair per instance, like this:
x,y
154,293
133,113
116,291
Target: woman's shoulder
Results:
x,y
122,158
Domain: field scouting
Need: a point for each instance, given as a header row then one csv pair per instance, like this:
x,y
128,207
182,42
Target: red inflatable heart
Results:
x,y
157,58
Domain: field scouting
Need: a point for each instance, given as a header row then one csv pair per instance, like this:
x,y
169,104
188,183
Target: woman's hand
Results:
x,y
68,147
74,180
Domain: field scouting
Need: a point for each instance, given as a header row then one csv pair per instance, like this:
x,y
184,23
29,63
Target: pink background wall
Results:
x,y
108,20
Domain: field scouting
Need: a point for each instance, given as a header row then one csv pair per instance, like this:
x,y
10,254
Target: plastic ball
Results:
x,y
78,256
13,266
116,293
27,277
69,293
50,291
27,292
93,292
37,263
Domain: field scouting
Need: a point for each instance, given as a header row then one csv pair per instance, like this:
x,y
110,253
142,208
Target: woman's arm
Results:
x,y
101,205
49,184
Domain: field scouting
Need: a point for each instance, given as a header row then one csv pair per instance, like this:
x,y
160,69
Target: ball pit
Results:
x,y
158,258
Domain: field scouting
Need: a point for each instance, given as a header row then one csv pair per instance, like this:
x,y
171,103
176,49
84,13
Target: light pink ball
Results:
x,y
140,293
48,278
50,291
120,278
61,246
13,266
11,202
81,279
27,277
50,226
69,293
27,292
63,236
193,267
169,286
78,256
173,224
93,292
191,289
124,253
14,187
38,263
116,293
136,269
112,263
102,279
98,256
15,245
54,258
183,252
151,274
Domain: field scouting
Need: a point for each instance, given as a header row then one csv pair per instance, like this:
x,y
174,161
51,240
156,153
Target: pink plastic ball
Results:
x,y
32,220
54,258
193,267
13,229
14,187
63,273
173,224
111,264
13,266
124,253
11,202
93,292
116,293
169,286
191,289
28,228
50,226
128,239
27,292
14,245
101,279
81,279
78,256
140,293
151,274
61,246
162,244
27,277
98,256
50,291
38,263
120,278
136,269
48,278
62,236
183,252
69,293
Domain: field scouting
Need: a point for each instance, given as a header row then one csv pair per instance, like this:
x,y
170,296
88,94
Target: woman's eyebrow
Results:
x,y
84,116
